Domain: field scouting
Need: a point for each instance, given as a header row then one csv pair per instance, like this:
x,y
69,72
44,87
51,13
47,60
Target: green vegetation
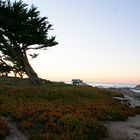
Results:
x,y
58,111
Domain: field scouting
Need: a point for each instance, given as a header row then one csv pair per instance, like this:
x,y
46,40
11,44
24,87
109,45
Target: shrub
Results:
x,y
27,125
74,129
114,115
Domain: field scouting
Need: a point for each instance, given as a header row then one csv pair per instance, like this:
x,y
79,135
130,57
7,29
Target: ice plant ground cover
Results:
x,y
58,111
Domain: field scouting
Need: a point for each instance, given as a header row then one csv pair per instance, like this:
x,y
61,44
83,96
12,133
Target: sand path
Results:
x,y
129,129
15,133
124,130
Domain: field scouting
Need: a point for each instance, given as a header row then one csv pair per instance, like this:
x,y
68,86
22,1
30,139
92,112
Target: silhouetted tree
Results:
x,y
13,65
4,69
22,29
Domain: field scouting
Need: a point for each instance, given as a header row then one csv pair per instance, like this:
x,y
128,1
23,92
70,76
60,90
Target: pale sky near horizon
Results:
x,y
99,40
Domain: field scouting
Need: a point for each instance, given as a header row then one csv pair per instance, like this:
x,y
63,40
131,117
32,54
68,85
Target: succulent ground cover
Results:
x,y
58,111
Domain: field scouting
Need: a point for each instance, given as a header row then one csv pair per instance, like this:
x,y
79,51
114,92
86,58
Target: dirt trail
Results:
x,y
15,133
124,130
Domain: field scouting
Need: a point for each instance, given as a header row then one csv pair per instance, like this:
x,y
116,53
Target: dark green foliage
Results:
x,y
24,25
114,115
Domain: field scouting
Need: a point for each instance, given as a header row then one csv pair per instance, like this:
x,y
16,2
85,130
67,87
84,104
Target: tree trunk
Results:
x,y
30,72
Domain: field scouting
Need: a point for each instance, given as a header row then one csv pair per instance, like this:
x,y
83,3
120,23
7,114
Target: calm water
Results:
x,y
108,85
111,85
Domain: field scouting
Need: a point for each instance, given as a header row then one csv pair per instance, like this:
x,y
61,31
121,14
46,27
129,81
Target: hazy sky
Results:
x,y
99,40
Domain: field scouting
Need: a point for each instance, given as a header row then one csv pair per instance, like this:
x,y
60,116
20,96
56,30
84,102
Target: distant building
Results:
x,y
77,82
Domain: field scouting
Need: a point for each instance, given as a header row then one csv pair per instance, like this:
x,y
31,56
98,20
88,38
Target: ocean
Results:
x,y
107,85
111,85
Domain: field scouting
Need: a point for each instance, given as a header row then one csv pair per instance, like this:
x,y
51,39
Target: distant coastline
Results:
x,y
111,85
108,85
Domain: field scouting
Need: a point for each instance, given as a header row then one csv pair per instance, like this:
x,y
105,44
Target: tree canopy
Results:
x,y
22,29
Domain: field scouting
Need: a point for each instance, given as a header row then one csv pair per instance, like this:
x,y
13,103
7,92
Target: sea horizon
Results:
x,y
108,85
111,85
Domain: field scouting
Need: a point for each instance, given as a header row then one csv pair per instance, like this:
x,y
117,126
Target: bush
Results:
x,y
75,129
114,115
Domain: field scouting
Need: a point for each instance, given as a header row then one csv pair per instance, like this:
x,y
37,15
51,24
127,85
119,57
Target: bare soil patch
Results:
x,y
15,133
128,130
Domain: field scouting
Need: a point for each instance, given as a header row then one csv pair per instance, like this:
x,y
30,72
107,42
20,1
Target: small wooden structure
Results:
x,y
77,81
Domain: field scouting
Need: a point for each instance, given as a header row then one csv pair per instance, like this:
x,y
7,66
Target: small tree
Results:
x,y
22,29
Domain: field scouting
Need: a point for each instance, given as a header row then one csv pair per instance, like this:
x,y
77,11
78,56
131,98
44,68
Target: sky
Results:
x,y
99,41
